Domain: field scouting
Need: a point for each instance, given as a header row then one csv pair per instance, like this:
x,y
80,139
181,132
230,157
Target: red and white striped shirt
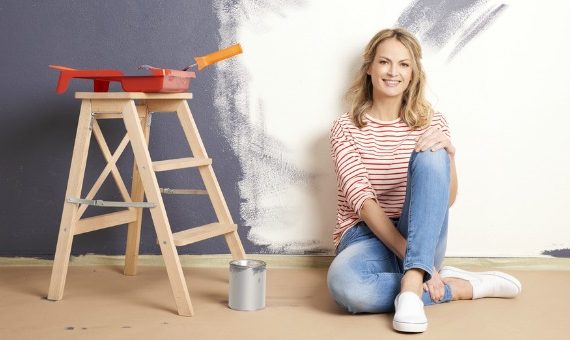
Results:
x,y
372,162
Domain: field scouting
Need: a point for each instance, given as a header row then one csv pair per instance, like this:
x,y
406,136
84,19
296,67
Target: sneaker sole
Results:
x,y
407,327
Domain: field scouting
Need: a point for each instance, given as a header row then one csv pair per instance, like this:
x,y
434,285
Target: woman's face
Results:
x,y
391,69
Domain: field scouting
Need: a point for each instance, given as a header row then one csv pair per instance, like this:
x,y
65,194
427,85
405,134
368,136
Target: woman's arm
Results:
x,y
377,220
351,174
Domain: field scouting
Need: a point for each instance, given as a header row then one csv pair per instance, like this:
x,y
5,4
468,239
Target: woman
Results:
x,y
396,177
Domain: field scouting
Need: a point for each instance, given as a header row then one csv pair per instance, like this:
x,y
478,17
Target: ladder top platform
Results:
x,y
131,95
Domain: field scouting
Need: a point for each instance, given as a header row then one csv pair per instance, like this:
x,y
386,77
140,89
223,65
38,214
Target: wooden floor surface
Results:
x,y
100,303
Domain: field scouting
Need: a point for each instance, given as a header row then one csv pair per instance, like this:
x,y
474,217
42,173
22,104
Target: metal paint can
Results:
x,y
247,285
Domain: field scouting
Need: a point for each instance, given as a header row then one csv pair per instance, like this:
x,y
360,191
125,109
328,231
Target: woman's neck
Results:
x,y
386,108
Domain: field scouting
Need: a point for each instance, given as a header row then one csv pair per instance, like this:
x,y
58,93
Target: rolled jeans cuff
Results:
x,y
428,270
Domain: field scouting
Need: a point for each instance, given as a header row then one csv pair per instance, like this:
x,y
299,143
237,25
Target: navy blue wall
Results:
x,y
37,127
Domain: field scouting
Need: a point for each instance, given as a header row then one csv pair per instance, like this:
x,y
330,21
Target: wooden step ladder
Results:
x,y
137,118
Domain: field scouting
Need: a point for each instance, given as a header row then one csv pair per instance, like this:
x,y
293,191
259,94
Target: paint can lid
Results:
x,y
247,263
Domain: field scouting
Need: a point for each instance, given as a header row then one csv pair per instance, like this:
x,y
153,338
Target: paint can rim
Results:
x,y
248,263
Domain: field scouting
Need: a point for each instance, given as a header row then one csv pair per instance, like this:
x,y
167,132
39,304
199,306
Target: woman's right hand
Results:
x,y
434,139
435,286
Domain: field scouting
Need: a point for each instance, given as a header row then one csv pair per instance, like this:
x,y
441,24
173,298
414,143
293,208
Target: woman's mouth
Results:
x,y
391,83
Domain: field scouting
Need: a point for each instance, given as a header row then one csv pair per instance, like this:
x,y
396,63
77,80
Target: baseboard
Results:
x,y
296,261
511,263
215,261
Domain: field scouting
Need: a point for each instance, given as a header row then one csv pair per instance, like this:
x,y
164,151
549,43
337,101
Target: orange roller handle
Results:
x,y
213,58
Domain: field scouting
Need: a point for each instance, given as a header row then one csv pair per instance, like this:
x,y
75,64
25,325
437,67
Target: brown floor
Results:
x,y
101,303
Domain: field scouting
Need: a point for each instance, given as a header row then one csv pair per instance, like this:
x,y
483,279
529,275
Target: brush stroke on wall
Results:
x,y
438,23
557,252
277,101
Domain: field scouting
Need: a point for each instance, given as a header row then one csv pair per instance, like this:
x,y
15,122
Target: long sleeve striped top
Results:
x,y
372,162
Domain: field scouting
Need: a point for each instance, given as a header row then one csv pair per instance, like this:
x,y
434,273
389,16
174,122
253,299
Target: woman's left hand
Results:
x,y
435,286
434,139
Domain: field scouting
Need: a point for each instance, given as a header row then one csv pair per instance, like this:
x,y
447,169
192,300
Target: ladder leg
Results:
x,y
158,213
209,178
137,195
234,243
68,218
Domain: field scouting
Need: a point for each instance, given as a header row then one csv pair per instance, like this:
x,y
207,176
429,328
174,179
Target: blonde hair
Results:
x,y
415,110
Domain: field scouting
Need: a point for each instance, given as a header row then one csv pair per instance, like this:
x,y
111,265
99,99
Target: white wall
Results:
x,y
504,94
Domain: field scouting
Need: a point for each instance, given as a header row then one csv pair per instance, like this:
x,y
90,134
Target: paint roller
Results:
x,y
207,59
213,58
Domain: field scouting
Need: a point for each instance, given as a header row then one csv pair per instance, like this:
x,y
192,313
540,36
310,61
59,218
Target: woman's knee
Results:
x,y
433,161
356,278
343,284
350,297
351,291
338,281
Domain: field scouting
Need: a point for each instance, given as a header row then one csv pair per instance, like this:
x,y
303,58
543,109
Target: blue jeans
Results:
x,y
365,275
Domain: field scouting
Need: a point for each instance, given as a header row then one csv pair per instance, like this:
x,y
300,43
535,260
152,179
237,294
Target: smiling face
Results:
x,y
391,69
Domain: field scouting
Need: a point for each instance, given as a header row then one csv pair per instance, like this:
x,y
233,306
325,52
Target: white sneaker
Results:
x,y
410,316
486,284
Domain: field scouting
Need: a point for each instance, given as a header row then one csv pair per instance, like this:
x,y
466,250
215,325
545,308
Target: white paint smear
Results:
x,y
504,95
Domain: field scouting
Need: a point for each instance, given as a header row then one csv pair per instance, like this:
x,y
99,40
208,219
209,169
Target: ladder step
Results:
x,y
180,163
204,232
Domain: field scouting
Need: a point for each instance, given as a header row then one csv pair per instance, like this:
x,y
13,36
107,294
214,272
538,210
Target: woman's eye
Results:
x,y
405,65
383,62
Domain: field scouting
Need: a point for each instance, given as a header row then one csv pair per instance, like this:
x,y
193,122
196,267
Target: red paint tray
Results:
x,y
159,80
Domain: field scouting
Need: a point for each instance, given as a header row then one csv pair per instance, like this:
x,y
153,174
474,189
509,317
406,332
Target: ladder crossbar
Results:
x,y
201,233
113,219
169,191
180,163
119,204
